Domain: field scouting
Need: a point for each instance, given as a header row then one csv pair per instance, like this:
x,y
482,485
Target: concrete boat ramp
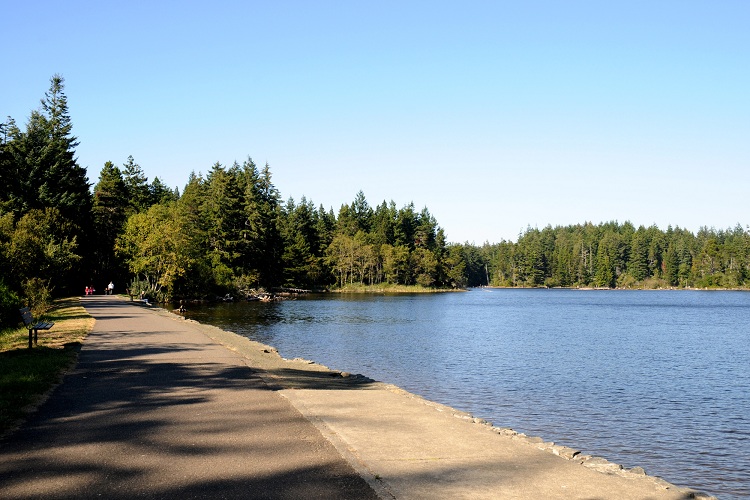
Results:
x,y
163,407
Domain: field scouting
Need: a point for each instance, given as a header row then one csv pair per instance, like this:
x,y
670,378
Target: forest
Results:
x,y
231,232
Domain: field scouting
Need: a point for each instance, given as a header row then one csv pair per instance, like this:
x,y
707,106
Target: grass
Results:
x,y
389,288
27,375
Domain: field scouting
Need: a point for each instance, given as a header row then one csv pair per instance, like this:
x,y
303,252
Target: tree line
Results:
x,y
230,232
612,255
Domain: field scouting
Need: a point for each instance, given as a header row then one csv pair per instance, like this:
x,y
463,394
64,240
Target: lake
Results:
x,y
657,379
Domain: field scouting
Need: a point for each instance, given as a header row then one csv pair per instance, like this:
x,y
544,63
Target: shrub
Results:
x,y
10,302
39,295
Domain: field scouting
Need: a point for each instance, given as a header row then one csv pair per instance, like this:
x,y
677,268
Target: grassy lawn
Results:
x,y
26,375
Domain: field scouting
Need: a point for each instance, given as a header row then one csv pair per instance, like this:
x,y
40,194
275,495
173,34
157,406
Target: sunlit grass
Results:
x,y
388,288
27,374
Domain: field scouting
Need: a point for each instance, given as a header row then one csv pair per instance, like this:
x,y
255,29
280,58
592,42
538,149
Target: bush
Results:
x,y
10,302
39,294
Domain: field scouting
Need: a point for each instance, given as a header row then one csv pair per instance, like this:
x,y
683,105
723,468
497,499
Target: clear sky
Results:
x,y
495,115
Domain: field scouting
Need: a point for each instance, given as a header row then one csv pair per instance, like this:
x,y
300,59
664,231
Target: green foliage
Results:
x,y
157,246
425,266
10,302
111,207
47,194
395,265
40,247
38,295
454,267
136,186
613,254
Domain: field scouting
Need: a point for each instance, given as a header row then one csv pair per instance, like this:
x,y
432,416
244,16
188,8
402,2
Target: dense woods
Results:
x,y
619,255
230,232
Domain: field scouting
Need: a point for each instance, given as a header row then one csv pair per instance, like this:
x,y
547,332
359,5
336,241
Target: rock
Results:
x,y
346,374
638,470
565,452
546,446
602,465
303,360
480,421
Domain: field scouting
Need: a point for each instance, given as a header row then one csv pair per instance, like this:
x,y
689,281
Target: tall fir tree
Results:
x,y
110,213
136,183
40,171
65,185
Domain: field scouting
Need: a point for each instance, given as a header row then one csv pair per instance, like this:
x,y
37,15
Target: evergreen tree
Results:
x,y
261,211
426,230
136,183
65,185
10,177
346,223
161,193
608,258
383,223
638,264
110,213
198,279
361,212
222,210
40,171
405,227
297,231
671,265
454,267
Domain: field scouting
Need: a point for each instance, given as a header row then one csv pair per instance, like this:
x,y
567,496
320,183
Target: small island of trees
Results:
x,y
230,232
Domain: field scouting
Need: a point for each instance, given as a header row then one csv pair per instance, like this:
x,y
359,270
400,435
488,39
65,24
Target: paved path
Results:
x,y
155,409
162,407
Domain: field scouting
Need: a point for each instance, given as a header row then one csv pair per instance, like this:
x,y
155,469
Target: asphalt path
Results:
x,y
156,409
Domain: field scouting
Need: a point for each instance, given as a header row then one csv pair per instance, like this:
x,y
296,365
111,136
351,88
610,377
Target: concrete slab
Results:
x,y
419,450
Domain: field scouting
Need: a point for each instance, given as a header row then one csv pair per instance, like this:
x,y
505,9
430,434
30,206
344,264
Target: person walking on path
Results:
x,y
154,408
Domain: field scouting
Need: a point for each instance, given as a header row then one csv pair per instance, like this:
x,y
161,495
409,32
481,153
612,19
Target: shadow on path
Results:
x,y
155,410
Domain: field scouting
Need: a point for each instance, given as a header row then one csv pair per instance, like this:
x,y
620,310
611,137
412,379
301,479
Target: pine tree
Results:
x,y
224,218
638,264
136,182
161,193
65,185
110,213
10,180
671,265
40,171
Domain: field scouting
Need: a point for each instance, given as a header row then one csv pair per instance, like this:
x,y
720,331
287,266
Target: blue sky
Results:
x,y
494,115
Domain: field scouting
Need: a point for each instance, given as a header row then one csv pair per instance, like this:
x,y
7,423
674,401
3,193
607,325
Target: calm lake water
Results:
x,y
657,379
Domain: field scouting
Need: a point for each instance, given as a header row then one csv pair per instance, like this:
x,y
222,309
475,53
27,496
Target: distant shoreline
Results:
x,y
392,289
590,288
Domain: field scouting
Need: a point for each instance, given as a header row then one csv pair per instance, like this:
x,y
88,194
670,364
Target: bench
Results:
x,y
33,326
